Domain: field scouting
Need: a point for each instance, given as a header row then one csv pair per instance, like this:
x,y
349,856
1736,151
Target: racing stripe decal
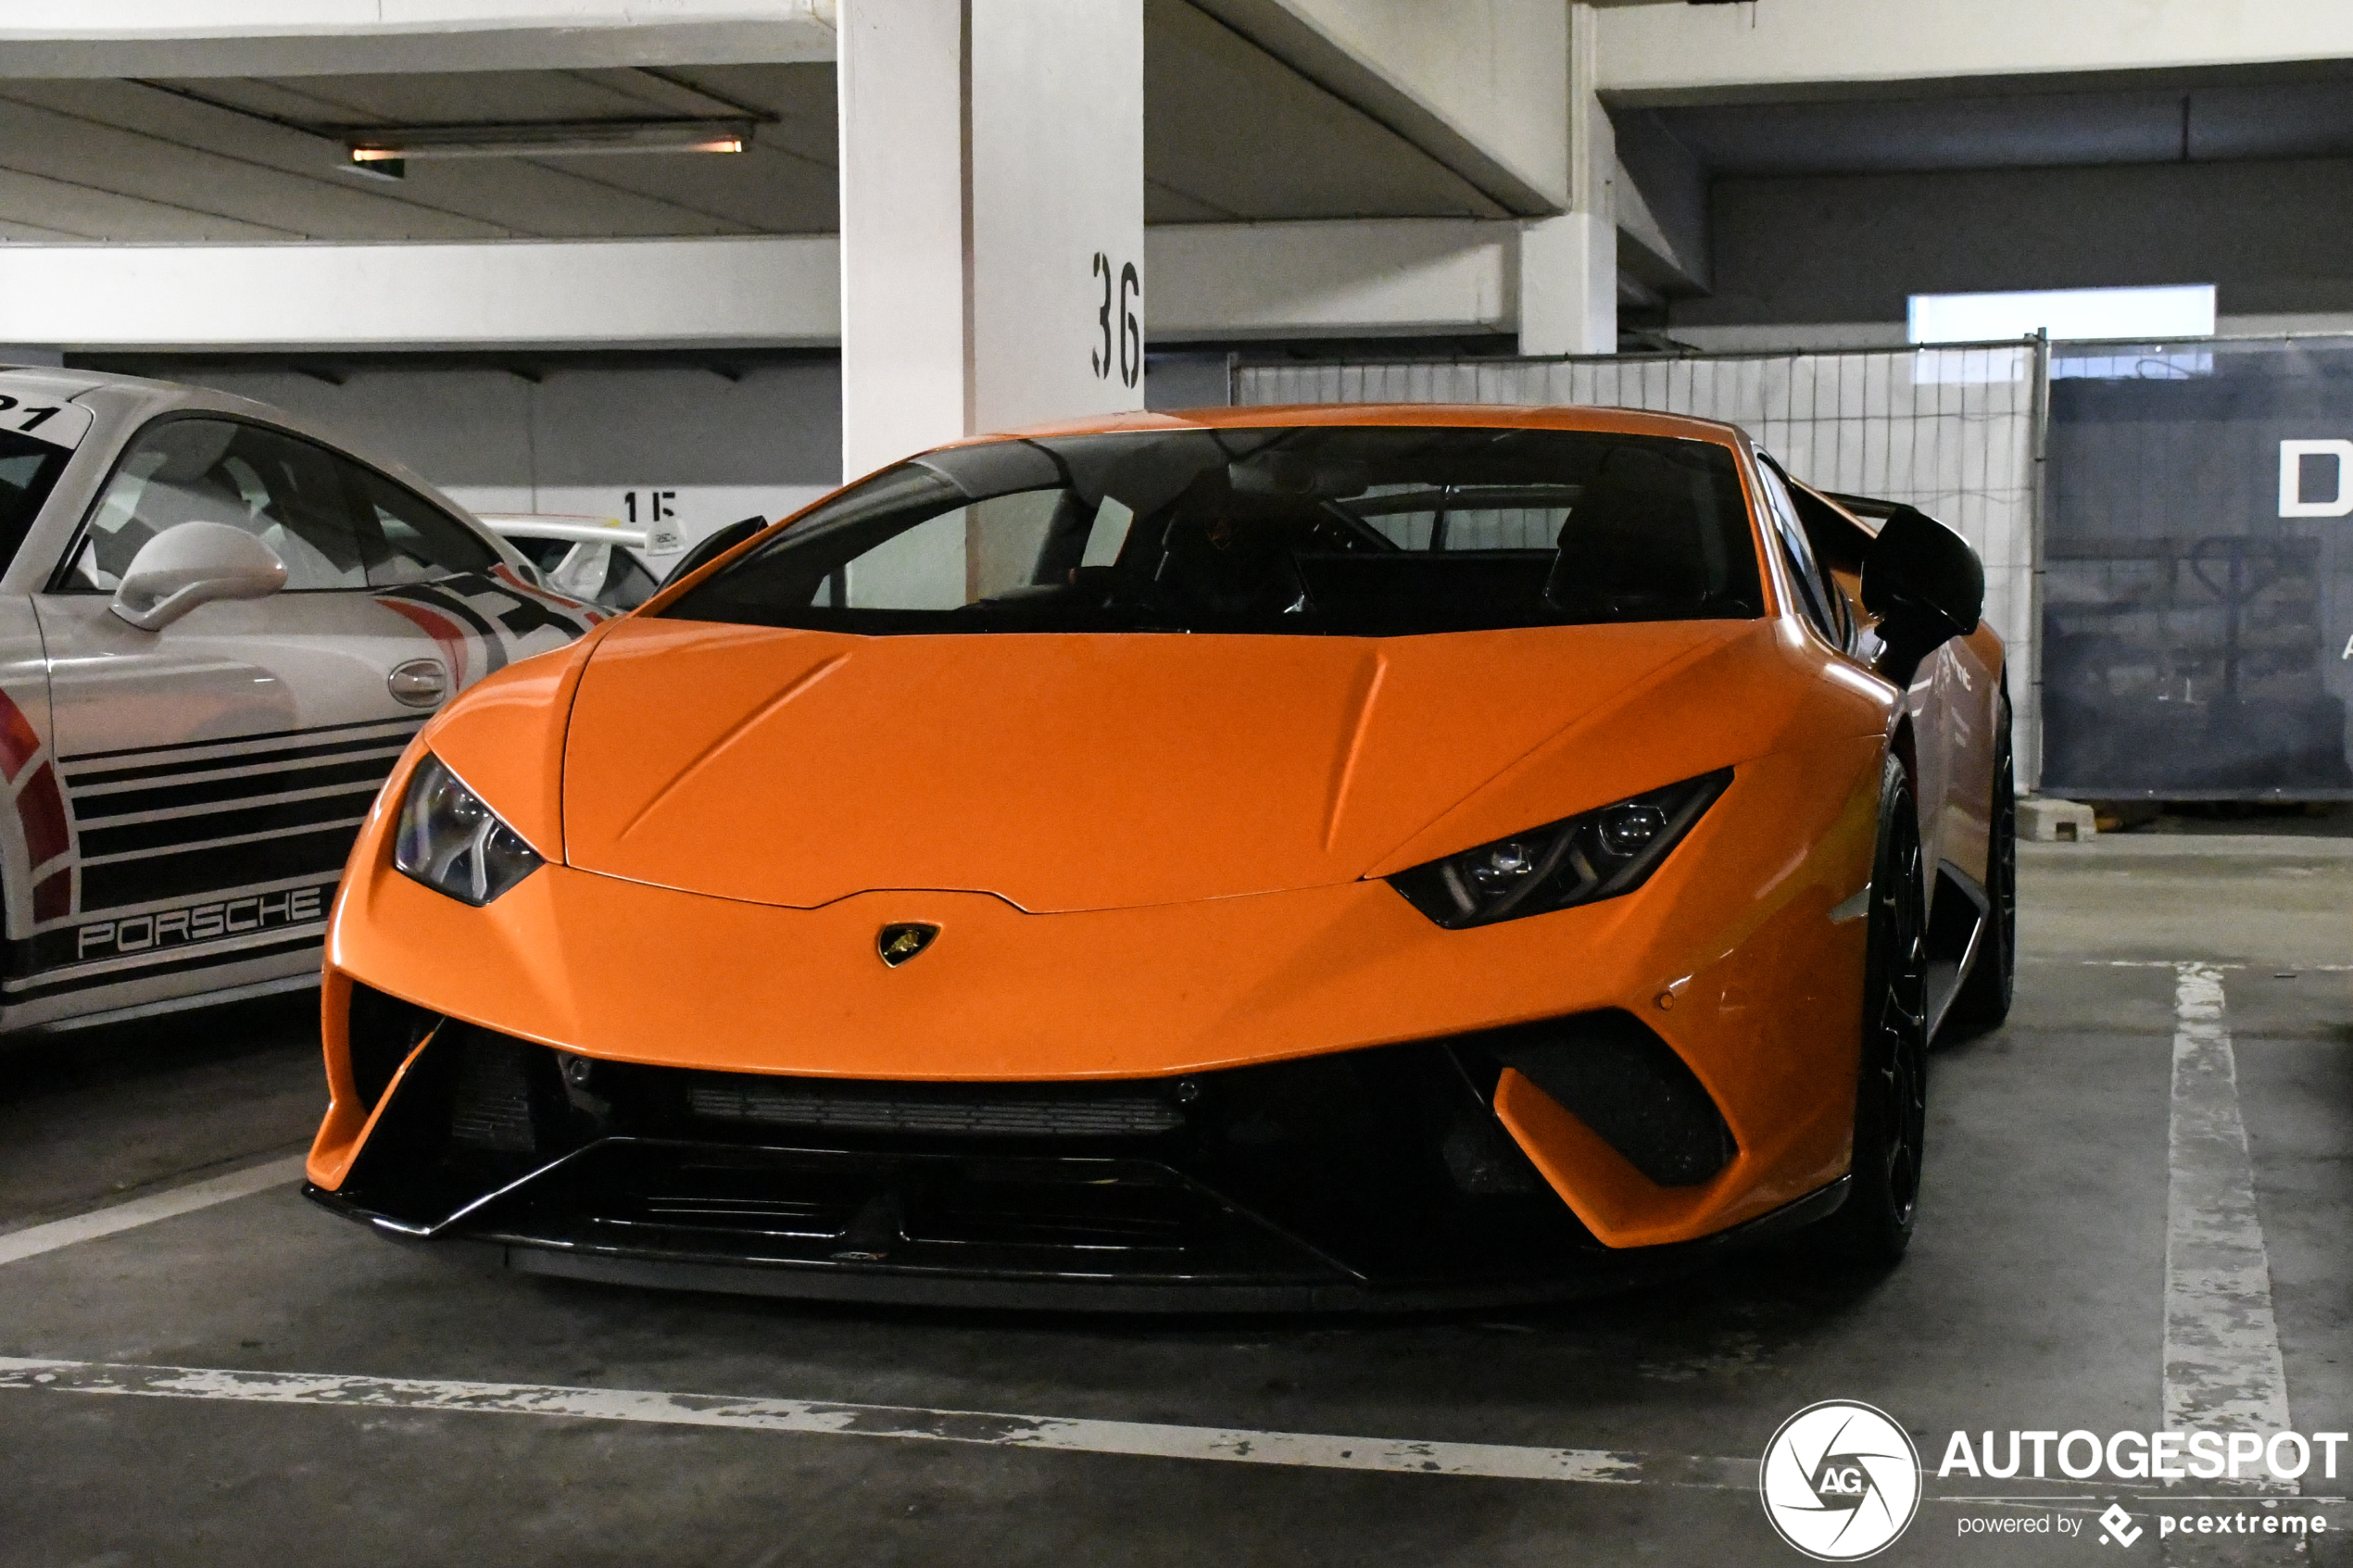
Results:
x,y
441,630
200,819
588,612
44,810
498,609
53,896
18,743
40,812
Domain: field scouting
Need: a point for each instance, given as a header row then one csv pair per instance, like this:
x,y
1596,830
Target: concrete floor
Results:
x,y
2032,1298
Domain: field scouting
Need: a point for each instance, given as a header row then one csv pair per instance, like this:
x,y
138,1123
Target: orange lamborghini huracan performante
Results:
x,y
1268,858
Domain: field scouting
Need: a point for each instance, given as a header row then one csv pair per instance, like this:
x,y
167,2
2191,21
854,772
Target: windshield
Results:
x,y
1347,531
28,468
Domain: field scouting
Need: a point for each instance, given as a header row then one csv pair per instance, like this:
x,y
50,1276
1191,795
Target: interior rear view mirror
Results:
x,y
1925,585
195,563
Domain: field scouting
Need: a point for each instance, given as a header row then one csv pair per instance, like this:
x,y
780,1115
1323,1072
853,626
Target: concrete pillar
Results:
x,y
1568,264
992,217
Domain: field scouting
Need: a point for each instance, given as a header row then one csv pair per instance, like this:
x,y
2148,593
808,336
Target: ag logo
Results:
x,y
897,944
1840,1481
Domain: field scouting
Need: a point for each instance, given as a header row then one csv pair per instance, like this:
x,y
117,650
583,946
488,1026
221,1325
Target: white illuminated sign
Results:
x,y
2152,315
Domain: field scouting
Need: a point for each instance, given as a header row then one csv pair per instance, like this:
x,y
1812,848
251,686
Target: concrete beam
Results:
x,y
593,294
1399,277
1483,88
1717,54
196,38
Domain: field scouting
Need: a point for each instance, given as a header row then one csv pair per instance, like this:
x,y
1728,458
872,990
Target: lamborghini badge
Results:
x,y
897,944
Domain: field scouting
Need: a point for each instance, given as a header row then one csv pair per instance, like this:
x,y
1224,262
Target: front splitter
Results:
x,y
882,1282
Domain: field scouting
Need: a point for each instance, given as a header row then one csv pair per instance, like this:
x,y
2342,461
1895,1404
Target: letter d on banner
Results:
x,y
2292,455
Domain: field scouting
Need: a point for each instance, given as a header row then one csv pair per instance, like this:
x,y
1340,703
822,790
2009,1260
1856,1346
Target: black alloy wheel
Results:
x,y
1874,1225
1984,998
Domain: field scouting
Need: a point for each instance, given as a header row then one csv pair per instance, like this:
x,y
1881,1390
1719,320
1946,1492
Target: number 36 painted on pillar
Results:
x,y
1129,348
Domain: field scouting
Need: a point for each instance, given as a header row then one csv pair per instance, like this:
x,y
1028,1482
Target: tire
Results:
x,y
1984,998
1874,1225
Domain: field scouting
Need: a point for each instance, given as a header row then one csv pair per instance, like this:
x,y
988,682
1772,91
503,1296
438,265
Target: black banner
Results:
x,y
2198,595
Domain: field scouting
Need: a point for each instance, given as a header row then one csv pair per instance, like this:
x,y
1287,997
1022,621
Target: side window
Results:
x,y
417,542
1815,596
335,524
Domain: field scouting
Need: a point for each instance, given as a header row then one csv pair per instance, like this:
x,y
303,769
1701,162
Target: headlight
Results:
x,y
453,843
1598,855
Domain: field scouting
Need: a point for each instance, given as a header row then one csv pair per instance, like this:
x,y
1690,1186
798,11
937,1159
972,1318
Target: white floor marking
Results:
x,y
33,1240
1307,1449
2222,1344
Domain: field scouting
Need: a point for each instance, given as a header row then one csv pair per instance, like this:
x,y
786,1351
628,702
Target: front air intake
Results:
x,y
1613,1073
1011,1110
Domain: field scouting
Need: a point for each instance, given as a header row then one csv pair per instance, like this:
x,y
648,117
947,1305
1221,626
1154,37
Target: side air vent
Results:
x,y
382,1031
1024,1110
1614,1074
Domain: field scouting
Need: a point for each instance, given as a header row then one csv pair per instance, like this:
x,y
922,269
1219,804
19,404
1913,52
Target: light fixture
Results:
x,y
385,151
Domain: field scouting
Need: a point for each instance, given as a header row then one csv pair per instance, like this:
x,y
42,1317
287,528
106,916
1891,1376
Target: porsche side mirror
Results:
x,y
195,563
1925,585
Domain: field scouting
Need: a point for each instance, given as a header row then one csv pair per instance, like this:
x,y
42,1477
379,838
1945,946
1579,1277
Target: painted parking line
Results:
x,y
33,1240
1147,1439
2222,1366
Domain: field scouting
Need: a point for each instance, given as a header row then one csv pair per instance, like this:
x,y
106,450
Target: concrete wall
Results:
x,y
705,449
2275,238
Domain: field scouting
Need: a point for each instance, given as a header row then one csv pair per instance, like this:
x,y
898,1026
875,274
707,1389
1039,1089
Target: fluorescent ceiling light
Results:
x,y
385,150
2151,314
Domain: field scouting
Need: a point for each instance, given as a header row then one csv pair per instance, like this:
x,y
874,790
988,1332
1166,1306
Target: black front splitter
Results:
x,y
881,1283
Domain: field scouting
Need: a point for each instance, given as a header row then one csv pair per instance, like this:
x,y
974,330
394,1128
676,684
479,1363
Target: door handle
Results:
x,y
420,682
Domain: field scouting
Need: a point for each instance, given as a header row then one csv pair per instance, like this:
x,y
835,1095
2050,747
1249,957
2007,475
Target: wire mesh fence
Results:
x,y
1952,430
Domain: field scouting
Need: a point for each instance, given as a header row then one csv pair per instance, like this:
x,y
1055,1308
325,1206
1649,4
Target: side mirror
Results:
x,y
194,563
713,546
1925,585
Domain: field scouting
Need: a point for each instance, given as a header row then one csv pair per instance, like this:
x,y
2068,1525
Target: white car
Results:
x,y
219,628
588,558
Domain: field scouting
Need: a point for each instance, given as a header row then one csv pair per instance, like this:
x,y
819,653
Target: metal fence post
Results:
x,y
2038,506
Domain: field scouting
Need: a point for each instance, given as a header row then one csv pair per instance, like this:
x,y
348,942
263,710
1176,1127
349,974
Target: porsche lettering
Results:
x,y
202,923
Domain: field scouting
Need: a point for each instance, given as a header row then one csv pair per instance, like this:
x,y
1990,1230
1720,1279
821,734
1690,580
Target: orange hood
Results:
x,y
1060,772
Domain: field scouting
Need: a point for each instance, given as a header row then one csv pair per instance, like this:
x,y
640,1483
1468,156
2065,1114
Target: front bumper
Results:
x,y
1370,1179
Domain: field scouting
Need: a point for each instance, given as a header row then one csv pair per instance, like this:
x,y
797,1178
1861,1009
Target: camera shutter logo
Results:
x,y
1841,1481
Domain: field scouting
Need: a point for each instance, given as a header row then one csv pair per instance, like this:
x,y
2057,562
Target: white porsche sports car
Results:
x,y
218,630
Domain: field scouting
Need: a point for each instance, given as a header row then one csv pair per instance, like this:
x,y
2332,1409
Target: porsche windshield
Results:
x,y
1342,531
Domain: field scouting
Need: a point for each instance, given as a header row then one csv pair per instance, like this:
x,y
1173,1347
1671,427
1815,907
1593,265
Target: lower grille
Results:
x,y
493,1109
953,1109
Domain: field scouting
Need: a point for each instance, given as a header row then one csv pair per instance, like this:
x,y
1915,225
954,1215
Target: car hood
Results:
x,y
1059,771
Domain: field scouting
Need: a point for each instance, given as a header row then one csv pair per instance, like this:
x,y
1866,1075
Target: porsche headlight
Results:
x,y
1597,855
453,843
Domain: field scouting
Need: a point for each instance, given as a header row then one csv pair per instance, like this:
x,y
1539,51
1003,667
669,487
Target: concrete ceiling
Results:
x,y
2019,129
1230,134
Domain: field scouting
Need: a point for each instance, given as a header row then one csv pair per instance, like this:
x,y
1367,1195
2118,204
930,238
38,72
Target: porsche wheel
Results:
x,y
1984,998
1890,1092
